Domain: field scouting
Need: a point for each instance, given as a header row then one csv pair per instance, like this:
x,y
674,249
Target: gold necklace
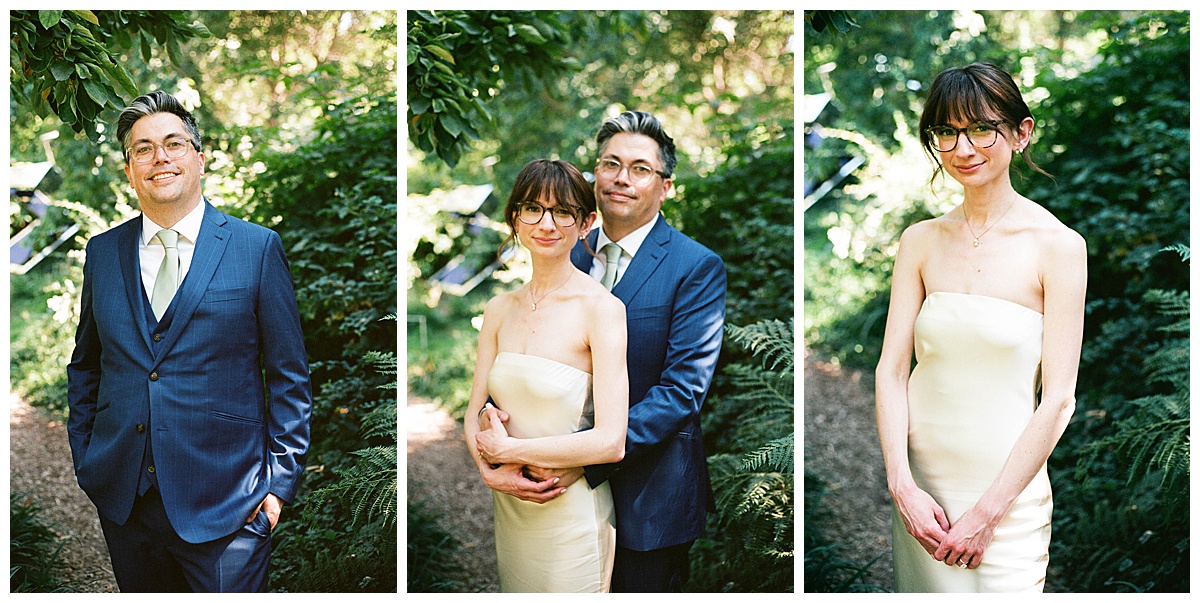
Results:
x,y
974,237
533,302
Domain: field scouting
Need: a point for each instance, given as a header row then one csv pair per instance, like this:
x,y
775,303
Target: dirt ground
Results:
x,y
841,445
441,472
40,464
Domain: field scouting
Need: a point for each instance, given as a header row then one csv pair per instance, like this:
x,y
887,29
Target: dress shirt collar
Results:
x,y
631,242
188,227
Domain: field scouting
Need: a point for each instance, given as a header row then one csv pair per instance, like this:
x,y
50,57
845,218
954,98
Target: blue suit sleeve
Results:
x,y
83,374
285,367
694,343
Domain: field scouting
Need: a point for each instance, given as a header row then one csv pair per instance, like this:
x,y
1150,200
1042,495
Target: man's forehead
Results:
x,y
631,147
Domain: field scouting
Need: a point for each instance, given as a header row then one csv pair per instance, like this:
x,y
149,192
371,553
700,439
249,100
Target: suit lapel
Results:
x,y
210,246
131,272
649,257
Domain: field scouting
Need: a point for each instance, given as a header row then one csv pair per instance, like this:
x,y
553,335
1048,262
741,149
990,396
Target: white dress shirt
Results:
x,y
151,251
630,244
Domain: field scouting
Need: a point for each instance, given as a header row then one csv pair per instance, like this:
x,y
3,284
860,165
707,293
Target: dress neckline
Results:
x,y
999,299
574,368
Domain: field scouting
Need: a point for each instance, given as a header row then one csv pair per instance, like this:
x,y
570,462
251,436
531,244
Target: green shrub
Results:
x,y
33,552
433,564
748,546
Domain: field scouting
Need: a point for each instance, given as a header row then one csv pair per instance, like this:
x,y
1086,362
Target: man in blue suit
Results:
x,y
189,387
674,294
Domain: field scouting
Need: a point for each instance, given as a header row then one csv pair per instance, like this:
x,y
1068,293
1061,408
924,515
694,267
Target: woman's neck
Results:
x,y
982,204
551,272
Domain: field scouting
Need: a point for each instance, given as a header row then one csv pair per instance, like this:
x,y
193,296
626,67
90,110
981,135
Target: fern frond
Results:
x,y
1185,252
381,421
779,455
773,340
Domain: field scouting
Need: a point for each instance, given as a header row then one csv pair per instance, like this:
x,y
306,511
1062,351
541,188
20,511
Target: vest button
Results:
x,y
157,337
150,469
154,376
140,428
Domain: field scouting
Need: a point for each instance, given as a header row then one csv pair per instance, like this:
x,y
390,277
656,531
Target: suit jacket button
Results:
x,y
154,376
157,337
140,428
150,469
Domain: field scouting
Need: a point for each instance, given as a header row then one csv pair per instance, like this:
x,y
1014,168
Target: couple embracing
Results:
x,y
584,417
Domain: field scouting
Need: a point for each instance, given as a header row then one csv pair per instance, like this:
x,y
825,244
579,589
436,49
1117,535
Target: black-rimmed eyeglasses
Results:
x,y
982,135
532,213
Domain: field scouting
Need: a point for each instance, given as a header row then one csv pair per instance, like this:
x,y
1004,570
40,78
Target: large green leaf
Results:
x,y
49,18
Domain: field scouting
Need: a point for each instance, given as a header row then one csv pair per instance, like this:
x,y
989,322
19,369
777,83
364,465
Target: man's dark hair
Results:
x,y
639,122
149,104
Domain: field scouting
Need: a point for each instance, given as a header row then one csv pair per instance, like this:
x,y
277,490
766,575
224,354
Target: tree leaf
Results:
x,y
529,33
96,90
442,53
61,70
87,15
118,74
49,18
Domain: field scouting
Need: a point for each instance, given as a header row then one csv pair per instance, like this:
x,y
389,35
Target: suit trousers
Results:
x,y
662,570
149,556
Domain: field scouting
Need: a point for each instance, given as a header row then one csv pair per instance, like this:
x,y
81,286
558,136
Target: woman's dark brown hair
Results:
x,y
977,92
543,179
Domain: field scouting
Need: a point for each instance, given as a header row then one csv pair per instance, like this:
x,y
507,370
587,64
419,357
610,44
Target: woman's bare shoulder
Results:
x,y
919,236
1052,234
600,301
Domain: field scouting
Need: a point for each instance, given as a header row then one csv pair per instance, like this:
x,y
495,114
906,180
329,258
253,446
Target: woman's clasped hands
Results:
x,y
968,539
493,444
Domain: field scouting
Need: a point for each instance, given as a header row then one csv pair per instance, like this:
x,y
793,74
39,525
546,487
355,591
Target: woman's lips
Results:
x,y
968,169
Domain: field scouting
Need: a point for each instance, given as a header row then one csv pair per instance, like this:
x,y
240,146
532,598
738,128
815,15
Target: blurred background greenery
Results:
x,y
298,116
1109,91
489,91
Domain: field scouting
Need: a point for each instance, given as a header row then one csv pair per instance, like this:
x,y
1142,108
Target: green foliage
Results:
x,y
33,554
368,488
459,60
45,304
337,193
336,555
62,62
837,19
1155,439
1116,542
1153,444
433,564
751,547
744,212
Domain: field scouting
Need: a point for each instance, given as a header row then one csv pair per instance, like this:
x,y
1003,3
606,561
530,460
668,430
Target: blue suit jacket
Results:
x,y
226,400
674,295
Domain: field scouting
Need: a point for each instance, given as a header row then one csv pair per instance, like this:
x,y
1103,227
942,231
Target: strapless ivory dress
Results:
x,y
567,544
972,393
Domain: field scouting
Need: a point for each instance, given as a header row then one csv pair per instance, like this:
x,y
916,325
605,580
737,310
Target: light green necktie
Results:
x,y
612,255
168,273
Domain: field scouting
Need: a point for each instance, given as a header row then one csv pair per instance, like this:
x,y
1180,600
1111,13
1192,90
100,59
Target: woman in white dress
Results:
x,y
552,355
990,296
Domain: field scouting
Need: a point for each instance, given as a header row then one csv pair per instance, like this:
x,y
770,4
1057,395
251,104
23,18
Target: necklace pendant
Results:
x,y
533,307
975,242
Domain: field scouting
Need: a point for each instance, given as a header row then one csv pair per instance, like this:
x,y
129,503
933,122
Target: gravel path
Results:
x,y
40,463
841,445
441,472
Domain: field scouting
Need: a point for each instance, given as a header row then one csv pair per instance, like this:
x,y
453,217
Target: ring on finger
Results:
x,y
962,563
